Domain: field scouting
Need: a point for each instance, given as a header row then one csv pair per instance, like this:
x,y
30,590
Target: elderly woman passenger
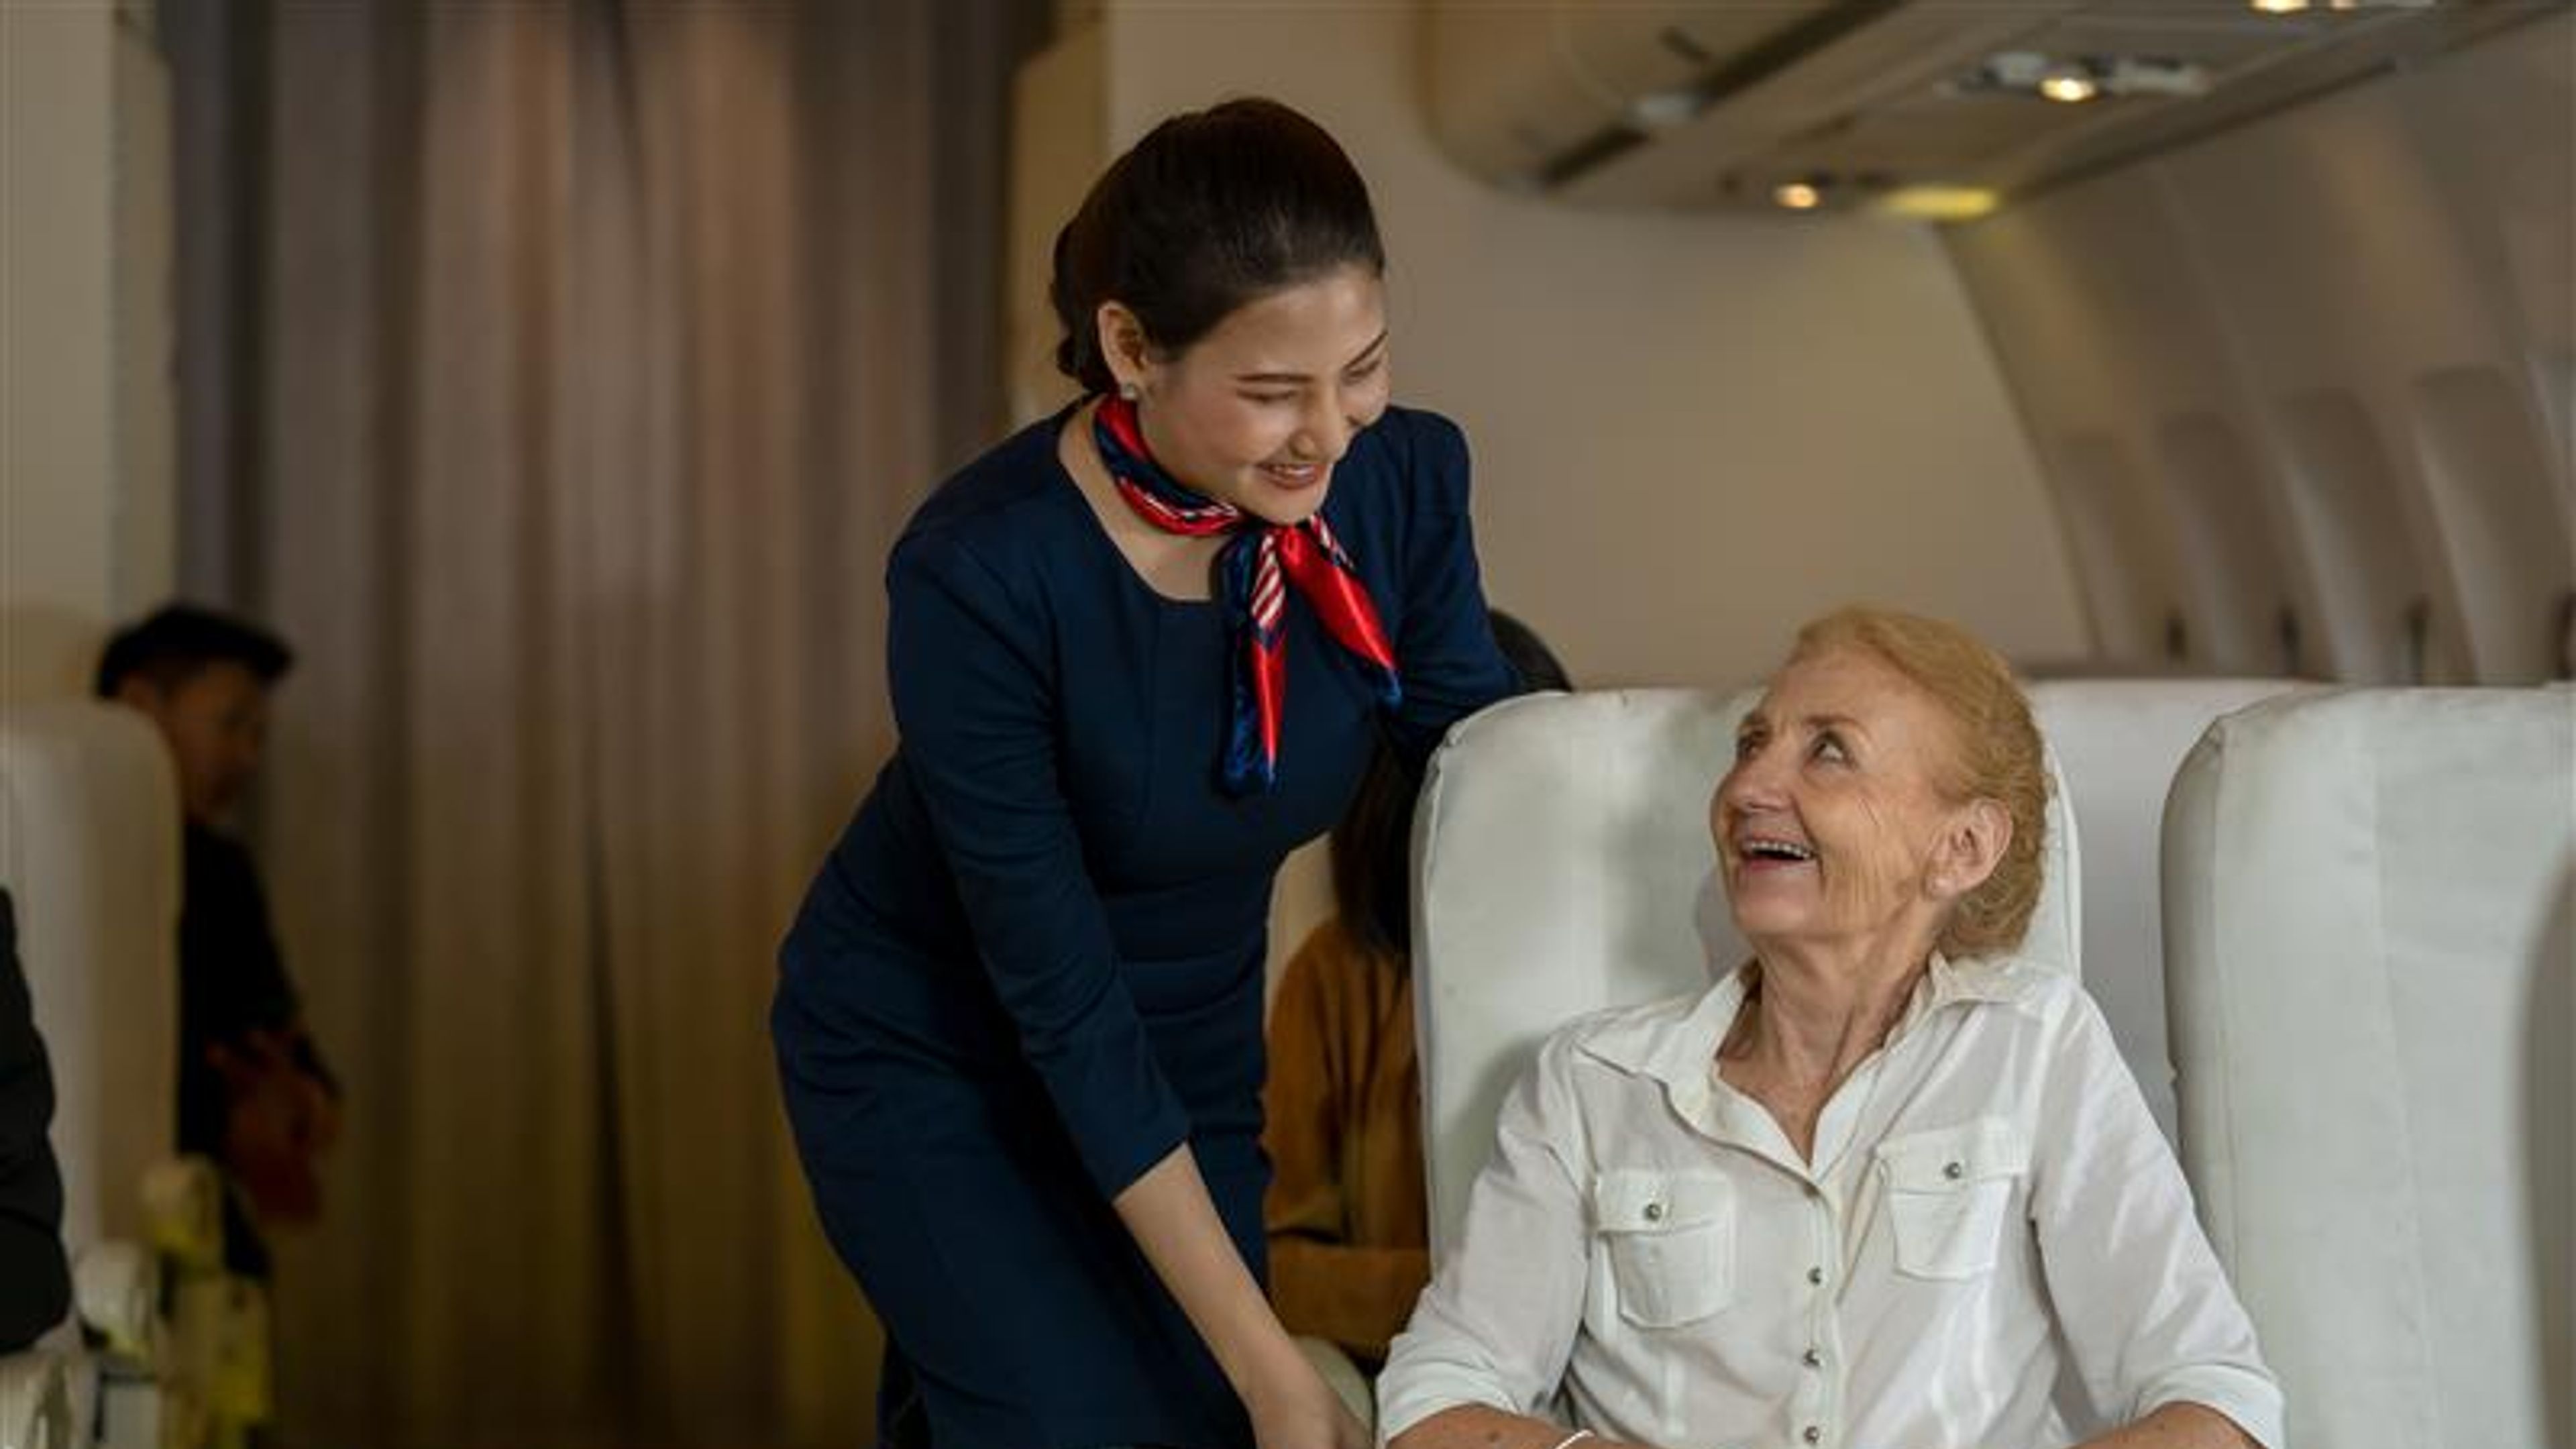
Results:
x,y
1884,1186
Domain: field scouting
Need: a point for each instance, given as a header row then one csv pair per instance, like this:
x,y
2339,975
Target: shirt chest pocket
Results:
x,y
1950,1193
1670,1241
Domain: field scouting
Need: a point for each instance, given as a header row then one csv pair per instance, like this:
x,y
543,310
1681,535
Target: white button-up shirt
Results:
x,y
1990,1214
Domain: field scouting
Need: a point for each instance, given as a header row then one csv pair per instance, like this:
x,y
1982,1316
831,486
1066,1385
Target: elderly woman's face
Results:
x,y
1830,824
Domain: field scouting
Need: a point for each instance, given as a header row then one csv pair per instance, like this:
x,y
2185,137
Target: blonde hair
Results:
x,y
1998,755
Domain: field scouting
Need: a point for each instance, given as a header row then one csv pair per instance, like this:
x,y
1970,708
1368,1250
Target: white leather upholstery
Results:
x,y
1562,861
2371,924
89,850
2119,742
35,1402
1340,1374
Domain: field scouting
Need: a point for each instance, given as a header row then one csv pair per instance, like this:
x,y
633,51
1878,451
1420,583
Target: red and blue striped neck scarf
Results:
x,y
1255,570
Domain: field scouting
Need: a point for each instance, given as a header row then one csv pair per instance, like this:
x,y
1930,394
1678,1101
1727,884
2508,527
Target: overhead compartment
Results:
x,y
1524,93
1687,104
1531,95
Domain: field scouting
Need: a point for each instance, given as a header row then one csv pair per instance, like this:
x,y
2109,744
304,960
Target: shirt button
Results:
x,y
1954,1171
1812,1359
1654,1212
1813,1435
1816,1276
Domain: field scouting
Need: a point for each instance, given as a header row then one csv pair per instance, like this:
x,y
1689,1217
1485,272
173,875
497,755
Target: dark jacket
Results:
x,y
35,1285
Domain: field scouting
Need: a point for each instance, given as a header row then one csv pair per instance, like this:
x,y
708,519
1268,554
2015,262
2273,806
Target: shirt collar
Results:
x,y
1676,1049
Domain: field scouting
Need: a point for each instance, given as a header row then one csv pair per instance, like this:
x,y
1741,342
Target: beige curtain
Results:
x,y
588,356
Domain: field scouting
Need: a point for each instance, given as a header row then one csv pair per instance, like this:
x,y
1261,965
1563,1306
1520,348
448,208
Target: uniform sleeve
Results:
x,y
975,702
2146,1308
1498,1323
35,1290
1444,648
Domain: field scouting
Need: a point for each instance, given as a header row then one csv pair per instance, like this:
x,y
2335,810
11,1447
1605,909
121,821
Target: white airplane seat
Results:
x,y
89,851
1562,864
35,1402
2119,742
90,855
2370,919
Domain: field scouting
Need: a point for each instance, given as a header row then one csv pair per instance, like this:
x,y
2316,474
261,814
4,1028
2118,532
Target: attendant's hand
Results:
x,y
1296,1409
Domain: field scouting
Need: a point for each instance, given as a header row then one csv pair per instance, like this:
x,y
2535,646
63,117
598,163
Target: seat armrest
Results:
x,y
35,1402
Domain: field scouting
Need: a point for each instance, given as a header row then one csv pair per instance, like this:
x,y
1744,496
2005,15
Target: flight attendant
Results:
x,y
1138,652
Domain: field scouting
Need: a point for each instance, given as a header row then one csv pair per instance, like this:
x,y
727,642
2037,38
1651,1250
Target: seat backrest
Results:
x,y
2370,919
1562,864
2119,742
89,851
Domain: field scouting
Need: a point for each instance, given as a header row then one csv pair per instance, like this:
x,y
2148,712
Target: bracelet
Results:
x,y
1570,1440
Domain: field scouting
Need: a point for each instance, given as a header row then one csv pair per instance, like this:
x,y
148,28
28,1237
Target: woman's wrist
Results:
x,y
1271,1367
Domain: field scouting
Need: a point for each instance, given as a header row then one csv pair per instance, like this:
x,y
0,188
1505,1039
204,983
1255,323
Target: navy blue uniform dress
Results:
x,y
1032,966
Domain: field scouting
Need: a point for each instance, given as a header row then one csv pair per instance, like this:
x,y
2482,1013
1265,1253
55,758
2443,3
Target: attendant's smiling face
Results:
x,y
1833,823
1257,412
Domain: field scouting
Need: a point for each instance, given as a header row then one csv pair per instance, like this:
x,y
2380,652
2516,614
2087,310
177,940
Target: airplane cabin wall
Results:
x,y
88,492
2302,389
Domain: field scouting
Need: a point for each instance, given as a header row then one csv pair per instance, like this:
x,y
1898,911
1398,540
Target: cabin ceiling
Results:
x,y
1698,104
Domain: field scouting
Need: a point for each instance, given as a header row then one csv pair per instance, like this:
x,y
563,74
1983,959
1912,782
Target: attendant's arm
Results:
x,y
1175,1223
1490,1340
1445,647
2164,1347
974,685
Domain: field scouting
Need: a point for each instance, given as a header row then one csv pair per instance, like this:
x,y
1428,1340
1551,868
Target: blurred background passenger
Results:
x,y
1342,1106
254,1093
35,1287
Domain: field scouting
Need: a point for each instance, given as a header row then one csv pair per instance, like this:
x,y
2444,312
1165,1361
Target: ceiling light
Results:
x,y
1798,195
1666,110
1938,203
2070,85
2279,7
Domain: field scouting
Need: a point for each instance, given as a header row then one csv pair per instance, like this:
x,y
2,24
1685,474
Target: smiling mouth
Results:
x,y
1294,475
1765,850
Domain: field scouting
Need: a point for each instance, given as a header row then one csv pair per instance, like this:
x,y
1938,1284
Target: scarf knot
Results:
x,y
1260,563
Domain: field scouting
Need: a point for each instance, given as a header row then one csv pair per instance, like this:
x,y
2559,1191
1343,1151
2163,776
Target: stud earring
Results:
x,y
1130,391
